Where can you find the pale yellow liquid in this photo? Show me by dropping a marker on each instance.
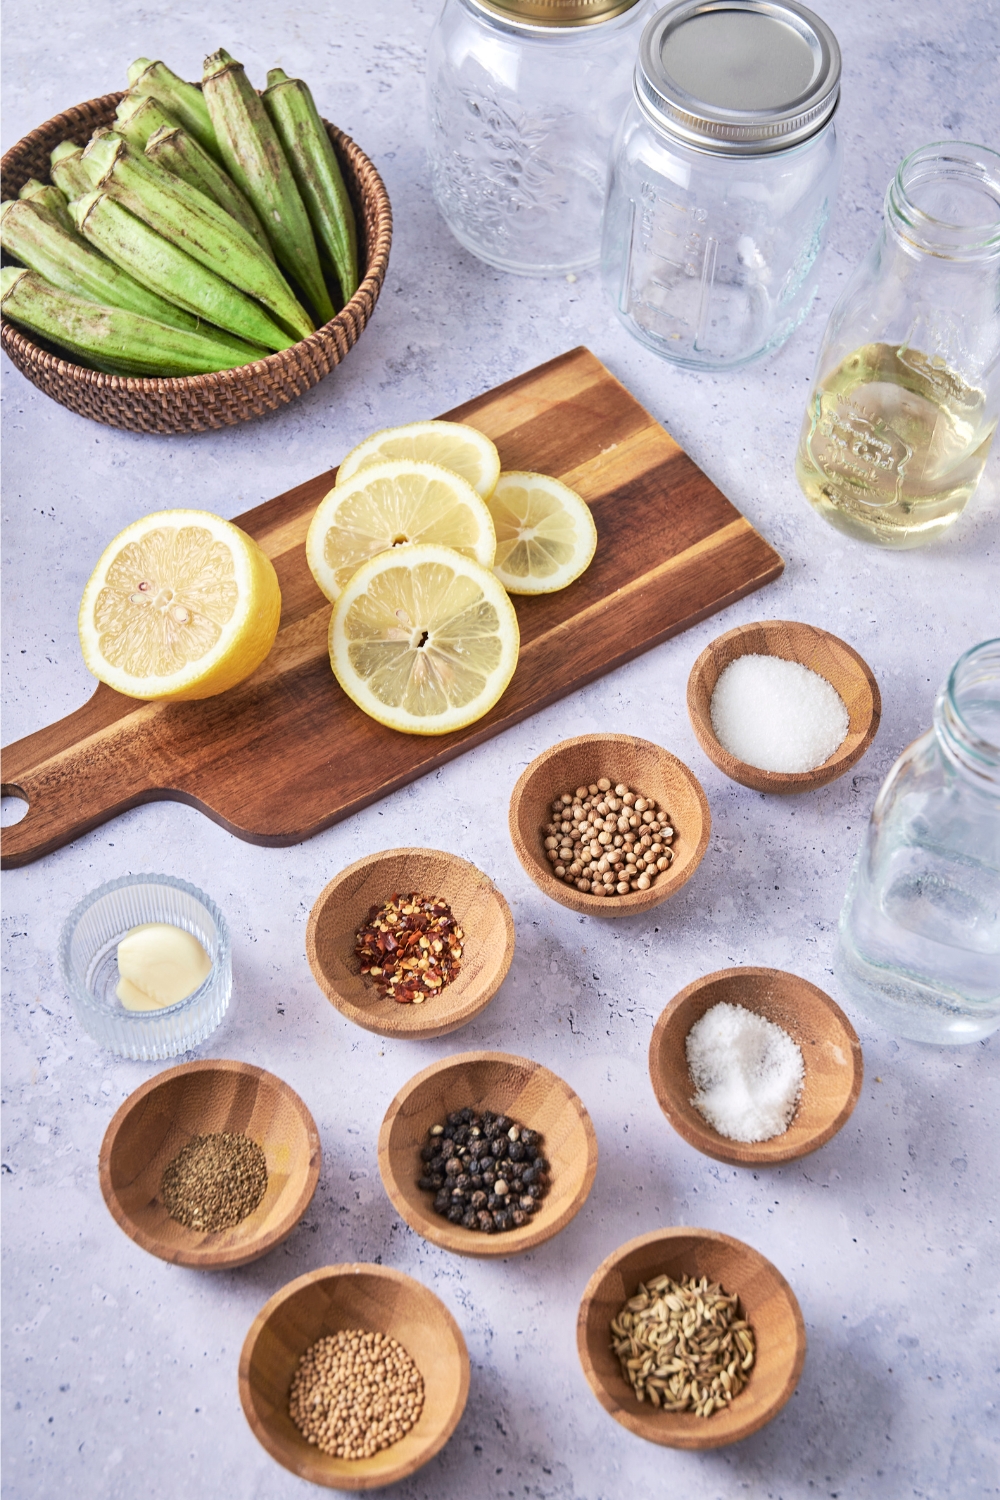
(892, 446)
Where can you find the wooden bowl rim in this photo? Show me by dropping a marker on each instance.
(691, 1441)
(326, 1273)
(205, 1258)
(423, 1024)
(451, 1236)
(607, 906)
(704, 1137)
(780, 781)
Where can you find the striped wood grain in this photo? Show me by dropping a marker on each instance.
(286, 754)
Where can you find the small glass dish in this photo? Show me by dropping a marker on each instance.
(88, 959)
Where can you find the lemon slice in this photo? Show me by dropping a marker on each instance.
(388, 505)
(182, 604)
(450, 444)
(424, 640)
(546, 535)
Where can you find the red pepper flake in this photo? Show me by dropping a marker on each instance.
(411, 946)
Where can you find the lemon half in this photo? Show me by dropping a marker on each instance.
(545, 533)
(423, 639)
(389, 505)
(182, 604)
(450, 444)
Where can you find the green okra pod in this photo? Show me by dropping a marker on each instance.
(255, 160)
(39, 241)
(313, 161)
(68, 171)
(51, 198)
(193, 222)
(111, 336)
(137, 116)
(175, 151)
(171, 272)
(182, 100)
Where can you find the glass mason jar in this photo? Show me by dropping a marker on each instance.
(523, 97)
(919, 942)
(724, 173)
(907, 387)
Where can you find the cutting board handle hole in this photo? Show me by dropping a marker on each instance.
(13, 807)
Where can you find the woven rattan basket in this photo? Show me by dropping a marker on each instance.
(195, 403)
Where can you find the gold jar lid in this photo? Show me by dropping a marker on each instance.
(556, 12)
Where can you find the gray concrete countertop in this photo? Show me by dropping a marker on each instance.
(119, 1370)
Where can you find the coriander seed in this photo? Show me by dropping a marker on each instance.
(606, 842)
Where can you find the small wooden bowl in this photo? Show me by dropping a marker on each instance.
(621, 757)
(201, 1098)
(377, 1299)
(830, 1048)
(768, 1303)
(507, 1085)
(342, 907)
(816, 649)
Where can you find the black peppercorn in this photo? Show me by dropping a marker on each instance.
(488, 1171)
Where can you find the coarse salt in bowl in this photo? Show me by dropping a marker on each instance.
(747, 1071)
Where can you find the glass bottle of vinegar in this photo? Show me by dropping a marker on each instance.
(907, 389)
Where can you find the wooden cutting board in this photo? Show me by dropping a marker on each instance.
(287, 753)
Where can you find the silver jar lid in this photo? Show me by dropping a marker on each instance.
(739, 77)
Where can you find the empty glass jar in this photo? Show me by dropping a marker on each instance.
(920, 929)
(907, 389)
(724, 173)
(523, 97)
